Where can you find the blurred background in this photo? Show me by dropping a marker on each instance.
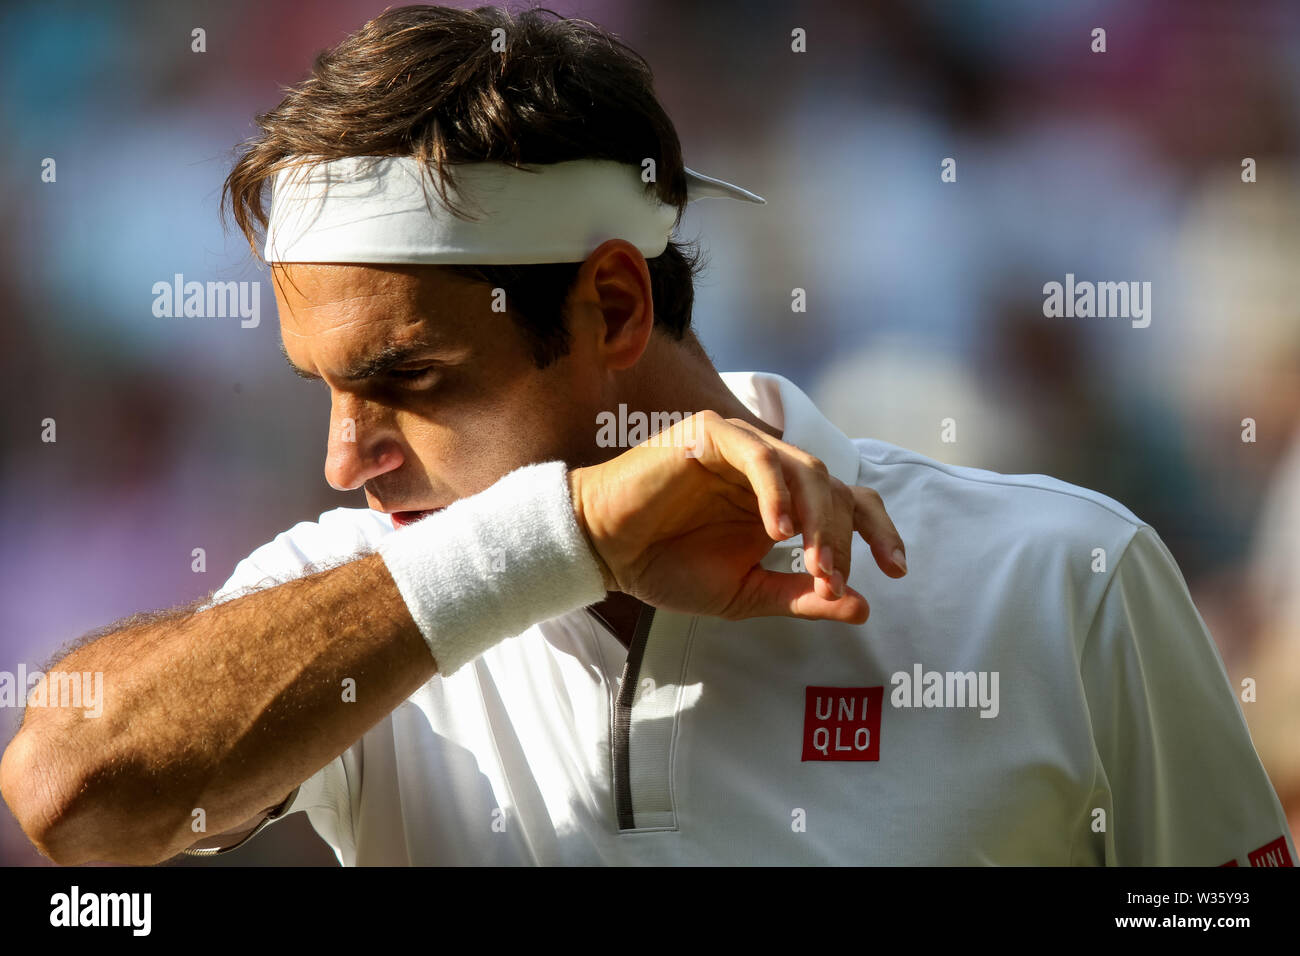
(183, 433)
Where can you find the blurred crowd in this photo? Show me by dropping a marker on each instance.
(927, 296)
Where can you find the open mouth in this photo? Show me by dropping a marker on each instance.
(402, 518)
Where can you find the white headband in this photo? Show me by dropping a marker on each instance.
(380, 209)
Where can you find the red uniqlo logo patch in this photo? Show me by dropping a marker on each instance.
(1272, 854)
(842, 723)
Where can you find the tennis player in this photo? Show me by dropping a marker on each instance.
(470, 233)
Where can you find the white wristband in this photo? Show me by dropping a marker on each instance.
(491, 565)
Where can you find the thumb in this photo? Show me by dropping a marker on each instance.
(766, 593)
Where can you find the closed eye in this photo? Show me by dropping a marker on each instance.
(416, 376)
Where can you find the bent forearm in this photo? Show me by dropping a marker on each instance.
(226, 710)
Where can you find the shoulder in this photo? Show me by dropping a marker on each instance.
(332, 538)
(1002, 508)
(343, 530)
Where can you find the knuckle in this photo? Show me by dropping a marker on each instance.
(764, 455)
(870, 496)
(707, 416)
(842, 492)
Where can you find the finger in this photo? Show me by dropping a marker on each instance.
(876, 528)
(831, 588)
(826, 524)
(743, 458)
(765, 593)
(810, 492)
(841, 531)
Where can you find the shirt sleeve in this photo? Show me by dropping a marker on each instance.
(337, 536)
(1184, 782)
(325, 797)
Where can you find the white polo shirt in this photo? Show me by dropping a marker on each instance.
(1039, 689)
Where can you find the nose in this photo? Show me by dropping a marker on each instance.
(359, 449)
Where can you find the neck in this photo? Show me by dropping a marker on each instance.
(671, 377)
(680, 377)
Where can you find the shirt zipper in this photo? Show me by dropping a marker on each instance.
(622, 759)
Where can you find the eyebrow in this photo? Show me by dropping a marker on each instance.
(385, 360)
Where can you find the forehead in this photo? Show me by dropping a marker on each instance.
(321, 298)
(357, 321)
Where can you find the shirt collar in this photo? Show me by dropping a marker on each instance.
(781, 404)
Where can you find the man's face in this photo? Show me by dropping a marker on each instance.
(433, 396)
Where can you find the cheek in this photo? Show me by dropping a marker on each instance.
(470, 448)
(546, 424)
(493, 425)
(539, 426)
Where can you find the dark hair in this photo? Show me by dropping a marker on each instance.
(424, 81)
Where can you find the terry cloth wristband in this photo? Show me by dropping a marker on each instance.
(490, 566)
